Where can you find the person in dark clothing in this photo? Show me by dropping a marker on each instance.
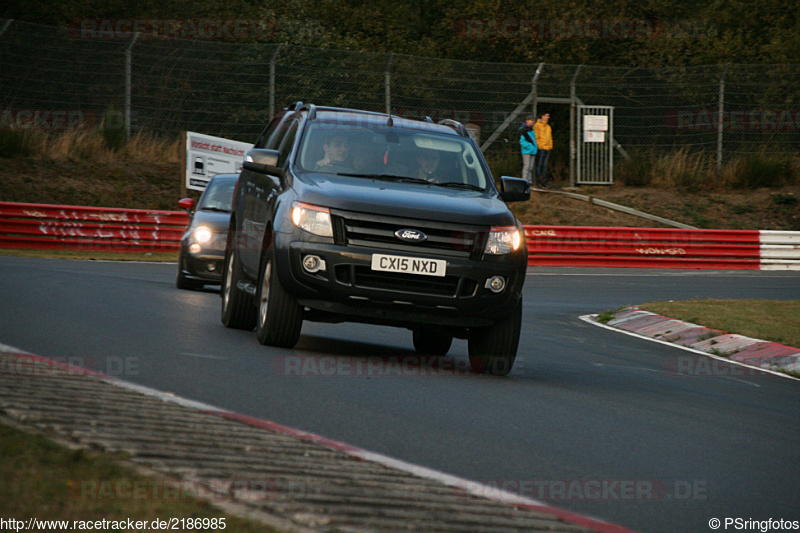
(527, 143)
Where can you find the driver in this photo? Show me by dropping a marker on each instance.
(336, 150)
(427, 161)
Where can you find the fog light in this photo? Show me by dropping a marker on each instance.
(496, 283)
(312, 264)
(195, 248)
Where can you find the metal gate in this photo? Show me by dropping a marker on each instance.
(593, 131)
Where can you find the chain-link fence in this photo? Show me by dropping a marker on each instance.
(55, 78)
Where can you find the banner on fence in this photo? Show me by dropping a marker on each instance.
(207, 156)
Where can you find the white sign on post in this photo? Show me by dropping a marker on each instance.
(595, 122)
(207, 156)
(595, 128)
(591, 136)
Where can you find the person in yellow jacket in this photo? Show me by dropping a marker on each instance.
(544, 140)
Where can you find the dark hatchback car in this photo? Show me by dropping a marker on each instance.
(347, 215)
(203, 244)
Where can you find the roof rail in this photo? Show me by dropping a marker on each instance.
(459, 127)
(348, 110)
(294, 106)
(312, 111)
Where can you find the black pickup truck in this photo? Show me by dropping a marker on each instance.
(346, 215)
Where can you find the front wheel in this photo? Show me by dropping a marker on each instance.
(492, 349)
(280, 317)
(238, 308)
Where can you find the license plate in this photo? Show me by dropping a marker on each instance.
(409, 265)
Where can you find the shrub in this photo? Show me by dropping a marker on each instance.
(113, 128)
(763, 170)
(683, 170)
(637, 171)
(20, 143)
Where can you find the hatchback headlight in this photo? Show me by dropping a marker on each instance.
(503, 240)
(202, 234)
(313, 219)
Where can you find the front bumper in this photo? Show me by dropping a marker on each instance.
(348, 288)
(205, 265)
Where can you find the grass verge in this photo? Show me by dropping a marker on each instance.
(770, 320)
(47, 481)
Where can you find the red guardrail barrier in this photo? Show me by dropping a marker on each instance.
(39, 226)
(642, 247)
(48, 227)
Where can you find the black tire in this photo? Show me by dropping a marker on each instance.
(492, 349)
(279, 317)
(238, 308)
(428, 341)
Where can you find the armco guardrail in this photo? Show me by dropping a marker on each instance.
(48, 227)
(38, 226)
(662, 248)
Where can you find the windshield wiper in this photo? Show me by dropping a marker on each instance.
(460, 185)
(386, 177)
(216, 209)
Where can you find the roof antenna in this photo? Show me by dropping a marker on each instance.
(390, 122)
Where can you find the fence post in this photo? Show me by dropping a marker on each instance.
(272, 81)
(575, 135)
(720, 111)
(387, 84)
(519, 109)
(534, 90)
(128, 66)
(5, 26)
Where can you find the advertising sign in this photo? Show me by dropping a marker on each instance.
(207, 156)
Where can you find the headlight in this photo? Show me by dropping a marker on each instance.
(313, 219)
(503, 240)
(202, 234)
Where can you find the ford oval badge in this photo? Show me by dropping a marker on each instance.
(410, 235)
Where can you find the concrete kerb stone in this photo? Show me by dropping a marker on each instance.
(756, 353)
(309, 483)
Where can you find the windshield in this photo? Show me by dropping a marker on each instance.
(218, 195)
(383, 152)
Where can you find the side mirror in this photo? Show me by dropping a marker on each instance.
(262, 160)
(186, 203)
(514, 189)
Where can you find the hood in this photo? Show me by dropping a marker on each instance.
(214, 219)
(411, 200)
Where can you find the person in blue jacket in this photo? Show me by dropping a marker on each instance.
(527, 143)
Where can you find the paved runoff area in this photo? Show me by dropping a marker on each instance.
(291, 480)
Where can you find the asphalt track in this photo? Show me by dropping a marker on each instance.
(641, 434)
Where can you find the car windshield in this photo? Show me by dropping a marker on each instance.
(218, 196)
(392, 153)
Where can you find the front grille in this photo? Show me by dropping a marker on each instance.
(364, 277)
(377, 231)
